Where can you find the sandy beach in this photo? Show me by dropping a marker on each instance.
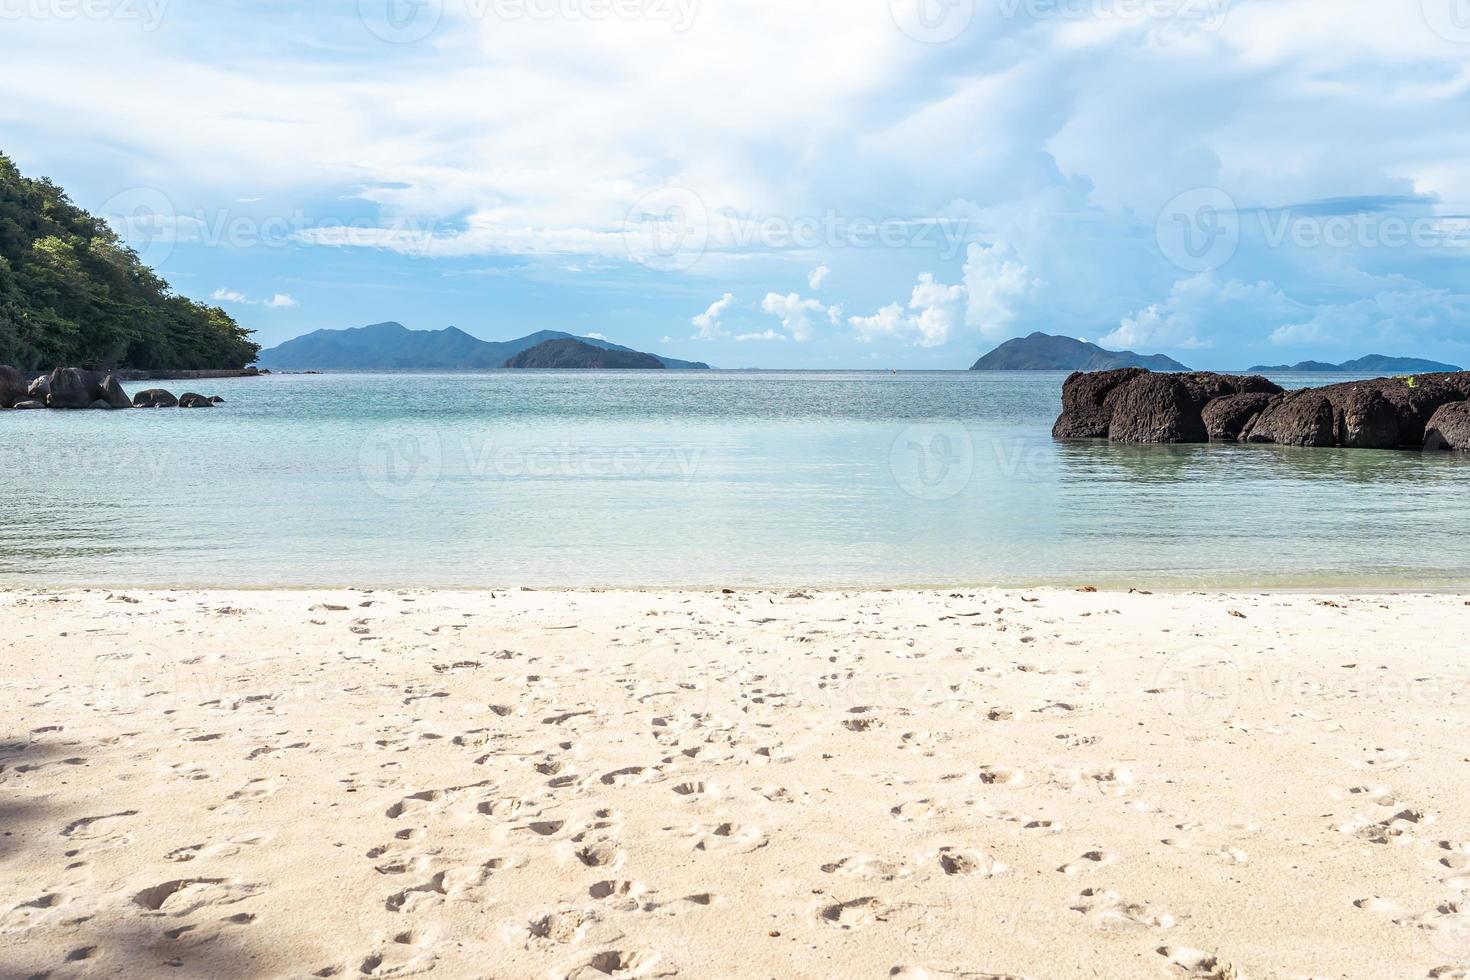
(627, 784)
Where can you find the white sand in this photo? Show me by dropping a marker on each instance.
(541, 784)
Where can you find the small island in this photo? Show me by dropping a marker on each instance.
(1372, 364)
(571, 354)
(1044, 352)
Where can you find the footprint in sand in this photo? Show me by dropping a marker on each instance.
(559, 928)
(621, 965)
(1198, 964)
(866, 867)
(1090, 861)
(223, 849)
(185, 896)
(34, 911)
(919, 810)
(1396, 829)
(1108, 911)
(605, 855)
(1001, 776)
(955, 861)
(621, 896)
(853, 914)
(467, 884)
(430, 801)
(106, 831)
(729, 837)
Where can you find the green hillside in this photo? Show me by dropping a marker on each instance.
(71, 293)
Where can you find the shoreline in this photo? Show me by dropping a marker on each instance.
(918, 784)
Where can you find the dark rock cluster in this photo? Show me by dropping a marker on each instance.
(1137, 406)
(80, 388)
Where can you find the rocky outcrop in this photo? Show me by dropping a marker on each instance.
(1384, 413)
(78, 388)
(1299, 418)
(113, 394)
(72, 388)
(1449, 427)
(12, 387)
(1134, 405)
(1227, 417)
(1086, 411)
(155, 398)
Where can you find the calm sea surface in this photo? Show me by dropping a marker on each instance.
(695, 479)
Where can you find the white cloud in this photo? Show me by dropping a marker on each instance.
(817, 276)
(935, 312)
(1202, 310)
(996, 282)
(595, 336)
(708, 322)
(796, 313)
(279, 301)
(763, 335)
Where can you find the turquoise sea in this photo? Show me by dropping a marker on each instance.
(695, 479)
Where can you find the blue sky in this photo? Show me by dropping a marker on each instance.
(828, 183)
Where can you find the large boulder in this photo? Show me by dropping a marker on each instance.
(190, 399)
(30, 403)
(1366, 419)
(72, 388)
(1300, 418)
(1085, 410)
(154, 398)
(113, 394)
(40, 388)
(1226, 418)
(1156, 408)
(12, 386)
(1449, 427)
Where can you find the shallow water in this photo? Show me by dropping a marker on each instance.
(695, 479)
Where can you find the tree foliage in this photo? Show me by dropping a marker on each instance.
(72, 293)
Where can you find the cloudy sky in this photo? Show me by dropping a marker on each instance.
(782, 183)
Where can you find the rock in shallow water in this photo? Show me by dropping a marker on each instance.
(1383, 413)
(12, 387)
(155, 398)
(1449, 427)
(113, 394)
(72, 388)
(1226, 418)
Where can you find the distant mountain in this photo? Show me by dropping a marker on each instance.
(1372, 364)
(569, 353)
(393, 347)
(1043, 352)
